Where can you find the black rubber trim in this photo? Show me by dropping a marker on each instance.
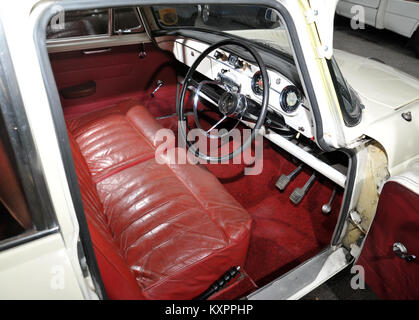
(20, 146)
(348, 120)
(66, 154)
(26, 237)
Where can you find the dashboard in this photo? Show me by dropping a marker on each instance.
(285, 99)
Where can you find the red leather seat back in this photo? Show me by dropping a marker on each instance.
(117, 278)
(160, 231)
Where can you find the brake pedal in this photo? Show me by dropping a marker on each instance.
(298, 194)
(284, 179)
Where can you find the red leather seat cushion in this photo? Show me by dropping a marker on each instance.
(160, 231)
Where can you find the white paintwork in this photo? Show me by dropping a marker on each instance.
(27, 266)
(400, 16)
(40, 269)
(410, 177)
(375, 82)
(323, 14)
(386, 94)
(398, 136)
(28, 73)
(378, 82)
(300, 120)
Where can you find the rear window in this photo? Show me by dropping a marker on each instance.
(94, 22)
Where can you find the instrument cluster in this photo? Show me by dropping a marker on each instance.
(284, 97)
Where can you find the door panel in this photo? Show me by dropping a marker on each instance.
(396, 220)
(119, 73)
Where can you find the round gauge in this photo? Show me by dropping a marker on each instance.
(257, 83)
(290, 99)
(232, 59)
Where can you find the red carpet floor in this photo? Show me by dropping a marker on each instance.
(283, 235)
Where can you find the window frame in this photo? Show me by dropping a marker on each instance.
(25, 155)
(106, 36)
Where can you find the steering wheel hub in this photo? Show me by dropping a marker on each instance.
(232, 104)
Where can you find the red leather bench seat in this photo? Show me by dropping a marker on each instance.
(159, 231)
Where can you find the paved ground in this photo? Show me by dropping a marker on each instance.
(384, 45)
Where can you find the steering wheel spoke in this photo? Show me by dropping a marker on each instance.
(230, 104)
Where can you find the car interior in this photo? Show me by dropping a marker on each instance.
(192, 231)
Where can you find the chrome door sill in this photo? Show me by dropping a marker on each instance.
(305, 278)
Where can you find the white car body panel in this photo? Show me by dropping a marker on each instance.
(400, 16)
(323, 13)
(382, 121)
(40, 269)
(28, 73)
(378, 82)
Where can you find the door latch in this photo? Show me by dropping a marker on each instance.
(400, 250)
(159, 84)
(142, 53)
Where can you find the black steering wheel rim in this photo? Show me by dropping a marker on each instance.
(264, 108)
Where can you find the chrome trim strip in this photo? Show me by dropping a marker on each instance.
(306, 277)
(98, 42)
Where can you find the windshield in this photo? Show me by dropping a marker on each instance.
(257, 23)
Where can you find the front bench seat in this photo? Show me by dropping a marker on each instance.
(158, 231)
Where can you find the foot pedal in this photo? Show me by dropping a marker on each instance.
(298, 194)
(284, 179)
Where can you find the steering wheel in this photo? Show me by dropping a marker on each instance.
(231, 104)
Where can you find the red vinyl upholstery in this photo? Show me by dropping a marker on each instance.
(159, 231)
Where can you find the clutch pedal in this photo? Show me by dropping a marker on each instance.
(298, 194)
(284, 179)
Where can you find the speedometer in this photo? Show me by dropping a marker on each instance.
(257, 83)
(290, 99)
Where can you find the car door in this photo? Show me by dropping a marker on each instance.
(390, 253)
(104, 56)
